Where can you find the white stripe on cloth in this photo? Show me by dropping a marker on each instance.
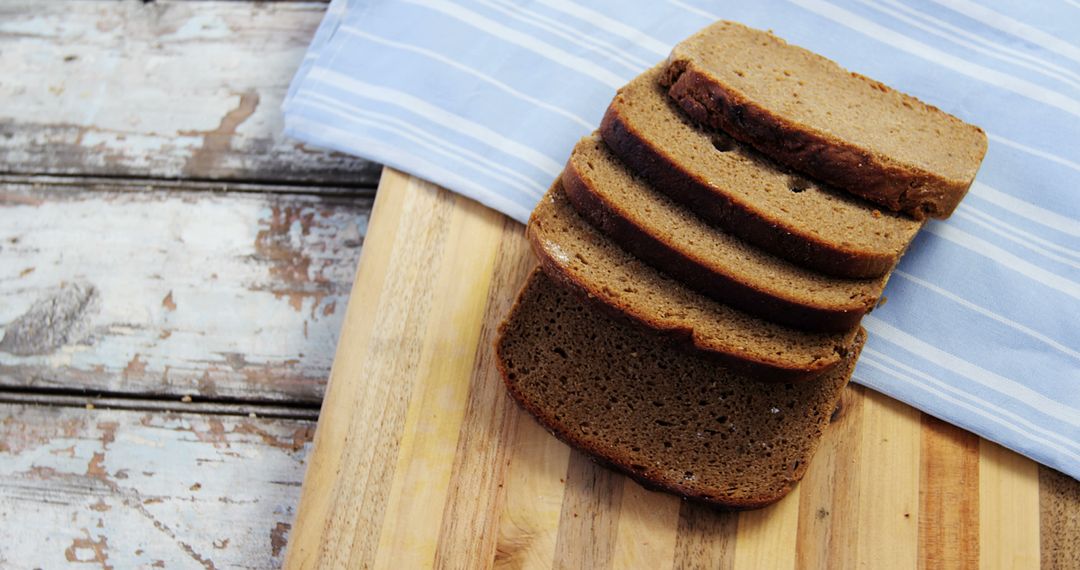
(991, 76)
(982, 408)
(619, 56)
(996, 382)
(422, 138)
(1005, 258)
(989, 314)
(555, 54)
(1026, 209)
(962, 37)
(1011, 26)
(1034, 152)
(1017, 236)
(610, 25)
(695, 10)
(471, 71)
(438, 115)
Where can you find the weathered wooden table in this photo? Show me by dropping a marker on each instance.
(173, 276)
(173, 279)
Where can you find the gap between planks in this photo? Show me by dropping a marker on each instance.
(125, 183)
(129, 402)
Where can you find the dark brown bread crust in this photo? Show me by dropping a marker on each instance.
(765, 366)
(653, 476)
(613, 220)
(875, 177)
(743, 220)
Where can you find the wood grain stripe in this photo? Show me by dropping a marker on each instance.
(398, 322)
(1059, 520)
(590, 515)
(468, 535)
(534, 490)
(766, 538)
(706, 538)
(319, 517)
(648, 522)
(421, 482)
(348, 481)
(888, 510)
(1008, 509)
(948, 496)
(830, 490)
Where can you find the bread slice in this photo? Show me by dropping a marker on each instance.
(732, 186)
(674, 422)
(669, 237)
(581, 258)
(807, 112)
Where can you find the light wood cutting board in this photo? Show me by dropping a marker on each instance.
(421, 460)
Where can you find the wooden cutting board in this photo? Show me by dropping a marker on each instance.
(421, 459)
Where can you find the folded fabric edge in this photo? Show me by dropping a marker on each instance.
(936, 407)
(332, 138)
(332, 19)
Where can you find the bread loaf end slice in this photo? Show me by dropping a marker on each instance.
(673, 422)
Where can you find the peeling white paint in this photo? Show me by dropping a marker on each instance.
(132, 88)
(183, 280)
(155, 487)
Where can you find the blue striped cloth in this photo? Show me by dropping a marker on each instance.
(487, 97)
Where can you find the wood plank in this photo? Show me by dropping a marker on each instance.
(172, 293)
(341, 523)
(831, 492)
(888, 463)
(590, 515)
(648, 528)
(1059, 519)
(534, 490)
(766, 538)
(436, 410)
(121, 489)
(948, 496)
(706, 538)
(110, 88)
(481, 478)
(1008, 509)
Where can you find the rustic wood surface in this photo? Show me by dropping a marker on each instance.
(162, 89)
(421, 460)
(161, 240)
(174, 292)
(121, 489)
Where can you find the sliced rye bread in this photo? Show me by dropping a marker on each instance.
(673, 422)
(581, 258)
(669, 237)
(731, 185)
(805, 111)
